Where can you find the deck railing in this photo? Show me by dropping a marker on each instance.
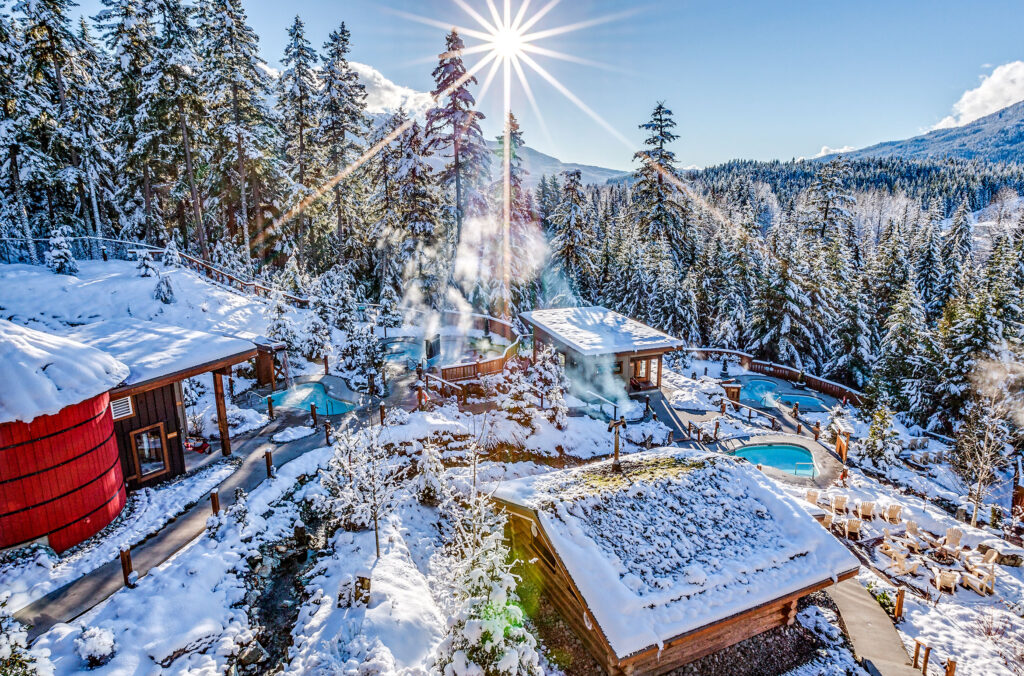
(473, 370)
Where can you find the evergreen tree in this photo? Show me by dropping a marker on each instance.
(571, 252)
(429, 481)
(957, 251)
(418, 208)
(897, 369)
(780, 322)
(171, 258)
(929, 269)
(279, 321)
(60, 258)
(146, 267)
(852, 356)
(660, 206)
(316, 339)
(163, 292)
(453, 127)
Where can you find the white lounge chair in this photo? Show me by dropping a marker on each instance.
(902, 566)
(981, 583)
(812, 496)
(852, 527)
(866, 510)
(892, 512)
(945, 579)
(838, 503)
(975, 562)
(951, 542)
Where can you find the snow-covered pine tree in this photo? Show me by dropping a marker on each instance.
(929, 269)
(429, 481)
(419, 212)
(171, 258)
(851, 351)
(980, 449)
(384, 212)
(146, 266)
(957, 251)
(316, 343)
(163, 292)
(341, 101)
(833, 224)
(59, 257)
(898, 373)
(296, 105)
(16, 657)
(243, 164)
(781, 316)
(290, 279)
(280, 326)
(515, 401)
(453, 130)
(882, 446)
(390, 313)
(572, 255)
(488, 635)
(660, 205)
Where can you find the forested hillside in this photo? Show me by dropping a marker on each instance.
(158, 122)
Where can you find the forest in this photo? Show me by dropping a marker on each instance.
(160, 122)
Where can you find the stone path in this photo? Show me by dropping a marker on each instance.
(876, 643)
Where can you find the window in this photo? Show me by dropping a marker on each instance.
(121, 408)
(618, 367)
(150, 447)
(640, 369)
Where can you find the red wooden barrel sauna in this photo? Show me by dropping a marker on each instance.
(60, 476)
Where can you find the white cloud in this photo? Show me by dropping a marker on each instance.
(383, 95)
(1003, 87)
(828, 150)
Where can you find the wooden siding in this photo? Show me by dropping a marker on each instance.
(161, 405)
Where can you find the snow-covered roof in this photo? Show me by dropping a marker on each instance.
(595, 330)
(42, 373)
(682, 539)
(153, 350)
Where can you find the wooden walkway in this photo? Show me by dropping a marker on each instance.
(876, 643)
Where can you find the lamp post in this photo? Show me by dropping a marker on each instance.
(615, 426)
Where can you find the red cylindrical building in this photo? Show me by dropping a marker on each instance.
(60, 476)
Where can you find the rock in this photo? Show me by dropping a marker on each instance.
(264, 571)
(281, 549)
(254, 653)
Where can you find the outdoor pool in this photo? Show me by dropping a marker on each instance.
(795, 460)
(758, 392)
(302, 395)
(403, 351)
(807, 402)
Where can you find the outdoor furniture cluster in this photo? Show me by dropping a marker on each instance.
(948, 562)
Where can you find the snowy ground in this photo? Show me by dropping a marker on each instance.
(36, 572)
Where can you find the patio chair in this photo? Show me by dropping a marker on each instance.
(945, 579)
(981, 583)
(892, 512)
(951, 542)
(851, 527)
(827, 522)
(839, 503)
(887, 548)
(866, 510)
(902, 566)
(974, 561)
(812, 496)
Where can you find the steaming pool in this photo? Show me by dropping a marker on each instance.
(795, 460)
(808, 403)
(764, 393)
(301, 396)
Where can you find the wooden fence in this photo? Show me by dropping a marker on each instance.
(789, 373)
(473, 370)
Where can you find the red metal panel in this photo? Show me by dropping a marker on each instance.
(60, 476)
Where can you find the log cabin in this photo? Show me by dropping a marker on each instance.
(594, 341)
(681, 554)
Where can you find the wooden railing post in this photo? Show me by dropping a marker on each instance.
(270, 463)
(126, 567)
(270, 407)
(917, 651)
(900, 593)
(327, 432)
(312, 412)
(382, 413)
(950, 667)
(716, 430)
(924, 660)
(215, 501)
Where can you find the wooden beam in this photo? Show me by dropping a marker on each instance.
(154, 383)
(222, 414)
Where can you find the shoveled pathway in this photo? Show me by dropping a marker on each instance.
(75, 598)
(876, 643)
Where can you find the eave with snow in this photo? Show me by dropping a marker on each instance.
(594, 340)
(681, 555)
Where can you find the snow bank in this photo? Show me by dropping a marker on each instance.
(681, 540)
(42, 373)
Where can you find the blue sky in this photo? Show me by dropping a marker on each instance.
(757, 80)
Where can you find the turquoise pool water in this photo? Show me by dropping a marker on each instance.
(302, 395)
(403, 351)
(795, 460)
(758, 392)
(807, 402)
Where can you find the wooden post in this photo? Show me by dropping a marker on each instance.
(924, 660)
(671, 441)
(614, 426)
(222, 414)
(799, 428)
(126, 567)
(369, 383)
(723, 408)
(716, 430)
(270, 463)
(327, 370)
(327, 432)
(270, 408)
(950, 667)
(917, 651)
(900, 593)
(796, 409)
(382, 413)
(817, 430)
(689, 430)
(215, 501)
(312, 412)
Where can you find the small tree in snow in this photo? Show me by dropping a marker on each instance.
(429, 481)
(16, 659)
(979, 451)
(362, 356)
(95, 646)
(486, 634)
(316, 339)
(59, 257)
(548, 376)
(882, 445)
(279, 321)
(516, 400)
(164, 292)
(389, 313)
(146, 267)
(171, 257)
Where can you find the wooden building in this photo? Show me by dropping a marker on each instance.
(148, 407)
(594, 341)
(682, 554)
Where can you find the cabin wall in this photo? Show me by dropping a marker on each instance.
(160, 405)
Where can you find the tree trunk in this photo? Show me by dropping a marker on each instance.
(147, 192)
(242, 206)
(22, 209)
(458, 193)
(376, 534)
(196, 210)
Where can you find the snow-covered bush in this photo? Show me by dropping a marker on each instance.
(280, 326)
(516, 400)
(428, 483)
(16, 659)
(146, 267)
(171, 257)
(389, 312)
(315, 343)
(486, 634)
(396, 416)
(59, 257)
(236, 516)
(164, 292)
(291, 279)
(362, 356)
(548, 376)
(882, 446)
(95, 646)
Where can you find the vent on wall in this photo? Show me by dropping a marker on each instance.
(121, 408)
